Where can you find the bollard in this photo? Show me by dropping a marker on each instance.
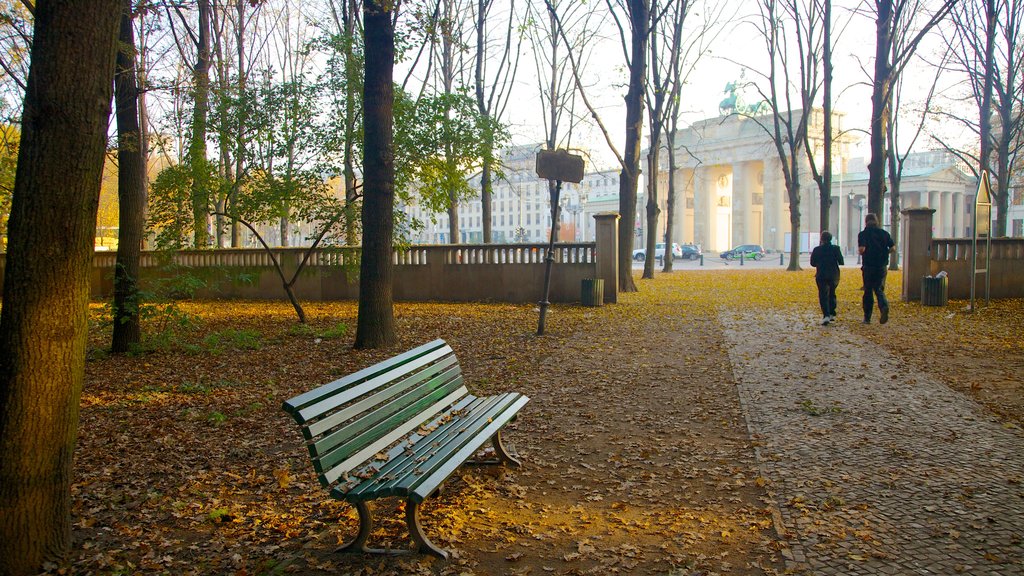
(741, 258)
(781, 256)
(701, 259)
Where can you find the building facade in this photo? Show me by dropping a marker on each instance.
(731, 188)
(520, 207)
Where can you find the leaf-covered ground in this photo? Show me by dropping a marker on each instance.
(636, 455)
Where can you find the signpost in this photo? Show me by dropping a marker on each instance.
(982, 230)
(560, 166)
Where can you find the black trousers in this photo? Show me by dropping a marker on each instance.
(827, 295)
(874, 287)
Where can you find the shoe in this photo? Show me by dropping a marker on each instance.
(885, 316)
(867, 320)
(826, 320)
(832, 318)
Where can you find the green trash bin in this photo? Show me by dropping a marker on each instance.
(593, 292)
(934, 290)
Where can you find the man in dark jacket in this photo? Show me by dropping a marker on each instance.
(827, 259)
(874, 245)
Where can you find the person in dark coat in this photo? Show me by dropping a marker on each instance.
(826, 260)
(874, 245)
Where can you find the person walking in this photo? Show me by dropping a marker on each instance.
(826, 260)
(874, 246)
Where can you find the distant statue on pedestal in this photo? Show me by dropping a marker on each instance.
(734, 102)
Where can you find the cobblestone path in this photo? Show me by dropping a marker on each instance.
(874, 468)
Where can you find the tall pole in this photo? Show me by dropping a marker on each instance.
(550, 256)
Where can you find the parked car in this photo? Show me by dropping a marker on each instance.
(691, 251)
(659, 252)
(748, 251)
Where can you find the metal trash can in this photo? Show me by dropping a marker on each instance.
(593, 292)
(934, 290)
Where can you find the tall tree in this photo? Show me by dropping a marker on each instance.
(43, 323)
(686, 50)
(347, 73)
(197, 145)
(639, 27)
(780, 20)
(892, 16)
(634, 35)
(131, 190)
(986, 47)
(493, 79)
(375, 325)
(657, 100)
(896, 159)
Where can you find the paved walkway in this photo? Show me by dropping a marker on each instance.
(874, 468)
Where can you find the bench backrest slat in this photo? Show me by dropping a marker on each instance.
(315, 403)
(361, 431)
(332, 475)
(324, 424)
(348, 421)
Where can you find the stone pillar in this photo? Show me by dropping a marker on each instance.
(606, 229)
(945, 215)
(703, 205)
(916, 243)
(776, 217)
(958, 215)
(744, 180)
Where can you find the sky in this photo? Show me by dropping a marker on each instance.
(738, 50)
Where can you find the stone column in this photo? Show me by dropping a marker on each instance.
(916, 243)
(679, 181)
(606, 231)
(703, 205)
(776, 217)
(958, 215)
(744, 179)
(945, 215)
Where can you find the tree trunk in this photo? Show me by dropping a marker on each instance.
(825, 192)
(52, 227)
(794, 220)
(375, 326)
(197, 147)
(485, 171)
(652, 207)
(639, 21)
(242, 119)
(131, 191)
(670, 199)
(880, 105)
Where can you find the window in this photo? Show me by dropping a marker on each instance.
(1018, 227)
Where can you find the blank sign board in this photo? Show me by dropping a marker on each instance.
(560, 165)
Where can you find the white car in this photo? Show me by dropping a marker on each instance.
(659, 252)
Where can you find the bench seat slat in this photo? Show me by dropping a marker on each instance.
(402, 456)
(361, 430)
(331, 475)
(294, 405)
(443, 451)
(322, 425)
(414, 411)
(425, 485)
(424, 448)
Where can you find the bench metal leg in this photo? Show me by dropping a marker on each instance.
(423, 544)
(365, 526)
(412, 519)
(504, 455)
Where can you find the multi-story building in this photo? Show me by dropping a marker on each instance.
(520, 207)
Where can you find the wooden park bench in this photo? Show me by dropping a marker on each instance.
(400, 428)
